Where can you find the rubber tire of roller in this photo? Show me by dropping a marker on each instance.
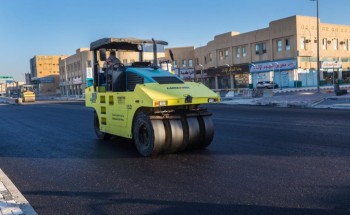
(193, 133)
(208, 129)
(175, 136)
(149, 135)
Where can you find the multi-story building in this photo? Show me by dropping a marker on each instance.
(75, 72)
(183, 61)
(28, 78)
(45, 74)
(284, 52)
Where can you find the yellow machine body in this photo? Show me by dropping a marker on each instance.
(140, 101)
(116, 110)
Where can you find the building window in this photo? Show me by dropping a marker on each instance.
(221, 55)
(205, 59)
(226, 53)
(210, 57)
(287, 44)
(197, 61)
(238, 52)
(345, 45)
(244, 51)
(190, 63)
(335, 44)
(302, 43)
(260, 48)
(324, 43)
(184, 63)
(279, 45)
(175, 64)
(125, 61)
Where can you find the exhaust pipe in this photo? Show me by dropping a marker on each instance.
(154, 54)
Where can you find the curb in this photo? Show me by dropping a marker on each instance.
(317, 102)
(11, 199)
(8, 100)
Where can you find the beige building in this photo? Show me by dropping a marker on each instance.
(75, 72)
(285, 52)
(44, 72)
(127, 58)
(183, 63)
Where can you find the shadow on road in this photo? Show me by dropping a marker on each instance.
(111, 199)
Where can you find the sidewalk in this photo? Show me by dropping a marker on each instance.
(306, 97)
(296, 97)
(12, 202)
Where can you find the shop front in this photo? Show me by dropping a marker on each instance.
(226, 77)
(331, 73)
(281, 72)
(307, 77)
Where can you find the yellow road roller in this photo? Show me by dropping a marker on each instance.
(140, 101)
(27, 93)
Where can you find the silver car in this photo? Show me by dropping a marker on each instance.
(266, 85)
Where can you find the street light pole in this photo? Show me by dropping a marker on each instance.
(231, 78)
(250, 69)
(273, 77)
(279, 71)
(66, 75)
(318, 48)
(202, 67)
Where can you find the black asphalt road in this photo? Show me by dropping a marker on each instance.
(263, 160)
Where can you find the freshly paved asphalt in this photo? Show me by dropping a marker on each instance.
(263, 160)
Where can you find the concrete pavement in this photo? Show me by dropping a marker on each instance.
(12, 202)
(294, 97)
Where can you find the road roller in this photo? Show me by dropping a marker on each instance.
(159, 111)
(27, 93)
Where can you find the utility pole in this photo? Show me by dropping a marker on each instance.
(318, 48)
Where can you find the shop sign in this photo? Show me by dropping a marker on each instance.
(235, 69)
(284, 65)
(88, 72)
(47, 80)
(331, 65)
(224, 71)
(77, 81)
(187, 73)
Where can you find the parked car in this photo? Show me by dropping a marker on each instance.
(266, 85)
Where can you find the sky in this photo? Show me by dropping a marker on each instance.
(48, 27)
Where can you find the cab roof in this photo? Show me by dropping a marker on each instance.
(127, 44)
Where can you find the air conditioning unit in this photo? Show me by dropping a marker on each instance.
(342, 42)
(329, 42)
(307, 41)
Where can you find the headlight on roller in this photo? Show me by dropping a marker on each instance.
(211, 100)
(160, 103)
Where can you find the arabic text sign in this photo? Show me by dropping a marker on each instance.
(270, 66)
